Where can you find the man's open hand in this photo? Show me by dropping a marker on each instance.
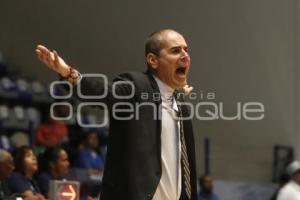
(52, 60)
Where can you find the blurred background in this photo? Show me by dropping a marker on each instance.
(242, 51)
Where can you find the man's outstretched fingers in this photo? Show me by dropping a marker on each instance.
(55, 58)
(49, 59)
(38, 54)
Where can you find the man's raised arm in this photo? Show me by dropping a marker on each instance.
(57, 64)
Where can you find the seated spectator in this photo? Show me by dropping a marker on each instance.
(206, 190)
(22, 181)
(291, 190)
(6, 168)
(89, 156)
(54, 165)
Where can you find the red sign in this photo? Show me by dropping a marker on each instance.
(67, 192)
(64, 190)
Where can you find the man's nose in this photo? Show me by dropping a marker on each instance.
(185, 57)
(184, 53)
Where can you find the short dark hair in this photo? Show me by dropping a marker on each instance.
(51, 155)
(155, 40)
(19, 157)
(202, 179)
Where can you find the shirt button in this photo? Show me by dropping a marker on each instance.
(149, 196)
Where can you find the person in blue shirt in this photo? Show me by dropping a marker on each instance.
(206, 191)
(54, 165)
(89, 156)
(22, 181)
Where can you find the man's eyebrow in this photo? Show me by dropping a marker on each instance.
(178, 47)
(175, 47)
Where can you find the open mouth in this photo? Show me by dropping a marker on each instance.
(181, 70)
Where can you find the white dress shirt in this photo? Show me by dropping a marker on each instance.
(169, 187)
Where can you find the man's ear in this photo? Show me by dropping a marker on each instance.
(152, 60)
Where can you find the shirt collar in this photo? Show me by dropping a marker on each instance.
(165, 90)
(166, 93)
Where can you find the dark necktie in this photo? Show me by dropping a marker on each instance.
(185, 165)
